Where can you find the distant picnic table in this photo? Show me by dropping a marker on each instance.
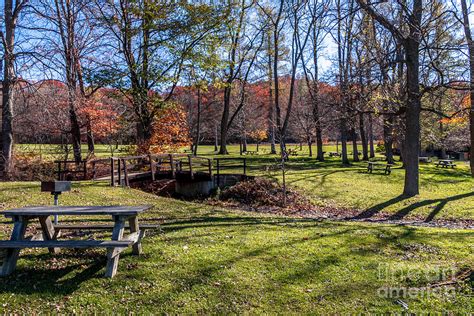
(424, 159)
(250, 152)
(445, 163)
(49, 239)
(334, 154)
(374, 165)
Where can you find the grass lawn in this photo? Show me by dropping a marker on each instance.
(211, 260)
(445, 193)
(53, 151)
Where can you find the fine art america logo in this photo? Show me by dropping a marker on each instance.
(436, 282)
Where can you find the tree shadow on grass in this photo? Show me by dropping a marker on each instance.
(46, 280)
(441, 203)
(374, 210)
(402, 213)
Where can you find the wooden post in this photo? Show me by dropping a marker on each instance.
(173, 172)
(245, 166)
(135, 228)
(218, 171)
(85, 169)
(47, 229)
(152, 167)
(209, 162)
(112, 254)
(125, 173)
(119, 171)
(11, 258)
(112, 171)
(190, 160)
(93, 170)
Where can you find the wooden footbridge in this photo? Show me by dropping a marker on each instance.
(120, 171)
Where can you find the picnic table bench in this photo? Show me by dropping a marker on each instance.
(373, 165)
(334, 154)
(424, 159)
(445, 163)
(118, 243)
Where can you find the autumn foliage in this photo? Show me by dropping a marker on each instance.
(170, 130)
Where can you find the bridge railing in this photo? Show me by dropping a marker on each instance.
(70, 170)
(229, 163)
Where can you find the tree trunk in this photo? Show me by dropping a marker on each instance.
(343, 127)
(363, 137)
(271, 109)
(75, 131)
(198, 123)
(310, 146)
(355, 150)
(388, 137)
(470, 48)
(7, 91)
(319, 144)
(144, 132)
(224, 122)
(90, 137)
(216, 140)
(371, 137)
(412, 134)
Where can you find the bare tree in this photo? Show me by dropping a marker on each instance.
(410, 40)
(470, 49)
(12, 10)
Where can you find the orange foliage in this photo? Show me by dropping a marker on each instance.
(170, 130)
(258, 135)
(102, 116)
(454, 120)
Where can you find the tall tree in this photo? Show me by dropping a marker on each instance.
(241, 51)
(470, 50)
(152, 41)
(12, 10)
(410, 40)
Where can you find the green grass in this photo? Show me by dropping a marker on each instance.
(209, 260)
(54, 151)
(445, 193)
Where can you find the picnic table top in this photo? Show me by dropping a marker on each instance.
(446, 160)
(76, 210)
(379, 163)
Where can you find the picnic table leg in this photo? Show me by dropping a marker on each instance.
(112, 254)
(134, 228)
(18, 233)
(48, 231)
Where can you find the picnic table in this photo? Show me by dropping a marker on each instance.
(445, 163)
(49, 239)
(251, 152)
(334, 154)
(373, 165)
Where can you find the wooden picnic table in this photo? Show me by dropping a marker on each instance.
(250, 152)
(373, 165)
(118, 243)
(334, 154)
(445, 163)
